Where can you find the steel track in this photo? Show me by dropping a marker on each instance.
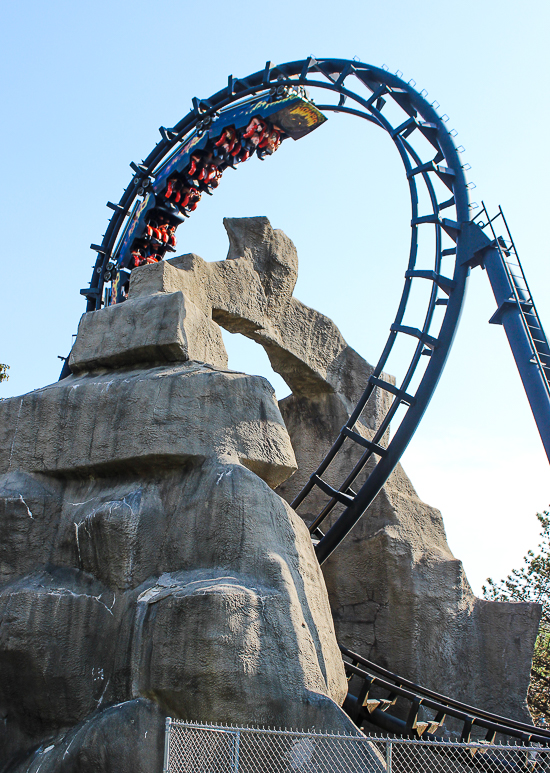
(433, 168)
(375, 691)
(434, 174)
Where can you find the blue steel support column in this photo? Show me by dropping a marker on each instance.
(520, 344)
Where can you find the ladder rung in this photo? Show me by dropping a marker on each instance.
(91, 292)
(364, 442)
(415, 333)
(344, 499)
(348, 70)
(399, 393)
(446, 175)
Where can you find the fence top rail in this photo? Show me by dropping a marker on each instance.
(359, 737)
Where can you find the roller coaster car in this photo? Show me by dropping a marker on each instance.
(232, 137)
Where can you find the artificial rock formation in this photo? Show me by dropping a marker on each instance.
(398, 595)
(148, 566)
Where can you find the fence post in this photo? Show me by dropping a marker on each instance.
(388, 755)
(236, 756)
(237, 745)
(167, 745)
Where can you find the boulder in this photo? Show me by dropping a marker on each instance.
(124, 738)
(169, 328)
(398, 595)
(135, 420)
(147, 565)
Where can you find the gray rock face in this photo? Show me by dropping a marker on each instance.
(400, 598)
(397, 593)
(148, 566)
(251, 293)
(131, 419)
(162, 328)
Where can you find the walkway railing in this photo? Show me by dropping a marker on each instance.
(198, 748)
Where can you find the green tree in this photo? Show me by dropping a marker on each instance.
(4, 372)
(532, 583)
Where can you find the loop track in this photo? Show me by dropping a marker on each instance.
(440, 208)
(434, 174)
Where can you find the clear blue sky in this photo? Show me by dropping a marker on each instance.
(85, 88)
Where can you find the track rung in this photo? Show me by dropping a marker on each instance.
(429, 130)
(445, 174)
(415, 333)
(451, 227)
(374, 447)
(376, 95)
(91, 292)
(403, 396)
(406, 128)
(441, 281)
(426, 219)
(421, 727)
(445, 204)
(429, 166)
(370, 704)
(116, 208)
(344, 499)
(138, 168)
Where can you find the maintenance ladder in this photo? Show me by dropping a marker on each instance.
(518, 315)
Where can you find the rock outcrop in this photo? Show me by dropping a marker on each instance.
(150, 565)
(147, 566)
(398, 595)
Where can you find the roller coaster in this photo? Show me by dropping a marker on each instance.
(253, 116)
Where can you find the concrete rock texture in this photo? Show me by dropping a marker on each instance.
(397, 593)
(148, 566)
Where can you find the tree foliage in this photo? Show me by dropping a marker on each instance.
(532, 583)
(4, 372)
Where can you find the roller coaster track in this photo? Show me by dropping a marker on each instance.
(374, 691)
(445, 243)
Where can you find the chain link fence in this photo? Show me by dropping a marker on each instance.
(197, 748)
